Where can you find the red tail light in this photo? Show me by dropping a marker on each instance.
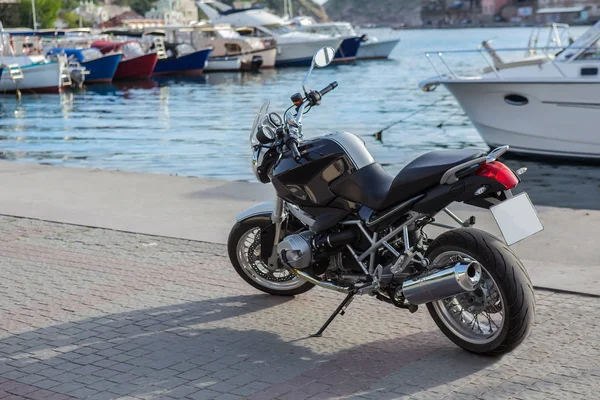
(499, 172)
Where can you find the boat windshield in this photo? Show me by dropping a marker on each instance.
(324, 30)
(586, 47)
(184, 48)
(228, 34)
(132, 49)
(90, 54)
(278, 29)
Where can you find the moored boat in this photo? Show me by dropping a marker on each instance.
(27, 72)
(543, 105)
(100, 68)
(223, 64)
(373, 48)
(182, 60)
(348, 50)
(134, 64)
(293, 48)
(228, 44)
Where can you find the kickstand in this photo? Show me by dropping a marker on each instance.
(340, 310)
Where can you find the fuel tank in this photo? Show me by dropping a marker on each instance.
(324, 159)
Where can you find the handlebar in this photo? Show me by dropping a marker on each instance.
(292, 144)
(329, 88)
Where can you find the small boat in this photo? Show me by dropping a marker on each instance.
(134, 64)
(223, 64)
(101, 68)
(176, 58)
(348, 50)
(542, 104)
(182, 60)
(228, 44)
(26, 71)
(376, 49)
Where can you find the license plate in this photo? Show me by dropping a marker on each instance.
(517, 218)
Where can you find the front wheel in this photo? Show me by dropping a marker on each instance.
(498, 315)
(244, 245)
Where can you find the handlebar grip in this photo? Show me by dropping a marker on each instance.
(329, 88)
(294, 148)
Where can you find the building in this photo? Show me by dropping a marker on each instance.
(568, 15)
(451, 12)
(491, 8)
(592, 5)
(97, 14)
(174, 12)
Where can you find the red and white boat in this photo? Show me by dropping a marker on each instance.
(135, 63)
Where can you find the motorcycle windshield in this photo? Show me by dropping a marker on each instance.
(258, 123)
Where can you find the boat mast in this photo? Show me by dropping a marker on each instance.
(34, 18)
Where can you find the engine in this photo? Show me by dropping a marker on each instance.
(302, 249)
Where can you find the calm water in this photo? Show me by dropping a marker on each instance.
(200, 127)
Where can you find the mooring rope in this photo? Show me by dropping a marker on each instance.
(378, 135)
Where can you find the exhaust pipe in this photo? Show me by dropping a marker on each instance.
(440, 284)
(318, 282)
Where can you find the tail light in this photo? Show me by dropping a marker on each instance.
(499, 172)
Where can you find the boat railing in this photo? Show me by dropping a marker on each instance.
(493, 62)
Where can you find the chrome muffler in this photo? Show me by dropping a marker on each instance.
(439, 284)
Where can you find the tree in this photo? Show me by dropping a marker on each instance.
(46, 12)
(72, 20)
(141, 6)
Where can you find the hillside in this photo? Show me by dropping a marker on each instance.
(301, 7)
(372, 12)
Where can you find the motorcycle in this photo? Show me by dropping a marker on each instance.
(341, 222)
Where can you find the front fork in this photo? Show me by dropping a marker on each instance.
(277, 217)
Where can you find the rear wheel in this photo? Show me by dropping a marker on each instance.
(244, 252)
(498, 315)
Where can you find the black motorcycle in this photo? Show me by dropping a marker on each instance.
(340, 221)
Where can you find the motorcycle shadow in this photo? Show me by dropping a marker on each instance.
(189, 344)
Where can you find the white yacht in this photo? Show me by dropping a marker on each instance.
(348, 50)
(545, 104)
(293, 48)
(355, 45)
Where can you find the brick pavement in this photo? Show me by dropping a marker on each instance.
(99, 314)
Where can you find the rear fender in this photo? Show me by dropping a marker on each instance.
(462, 191)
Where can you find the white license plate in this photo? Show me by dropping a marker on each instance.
(517, 218)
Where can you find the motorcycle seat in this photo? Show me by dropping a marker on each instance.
(375, 188)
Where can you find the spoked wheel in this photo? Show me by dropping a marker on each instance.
(497, 316)
(244, 246)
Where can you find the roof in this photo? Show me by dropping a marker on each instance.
(561, 10)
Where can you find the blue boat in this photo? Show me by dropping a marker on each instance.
(101, 68)
(348, 50)
(182, 60)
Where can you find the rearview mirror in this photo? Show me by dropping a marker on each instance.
(323, 57)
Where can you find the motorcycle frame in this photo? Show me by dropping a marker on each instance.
(403, 259)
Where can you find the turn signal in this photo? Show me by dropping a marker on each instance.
(499, 172)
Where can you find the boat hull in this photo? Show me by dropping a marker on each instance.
(376, 49)
(136, 68)
(101, 70)
(223, 64)
(37, 78)
(192, 64)
(552, 119)
(348, 50)
(300, 53)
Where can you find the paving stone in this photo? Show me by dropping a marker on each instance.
(98, 314)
